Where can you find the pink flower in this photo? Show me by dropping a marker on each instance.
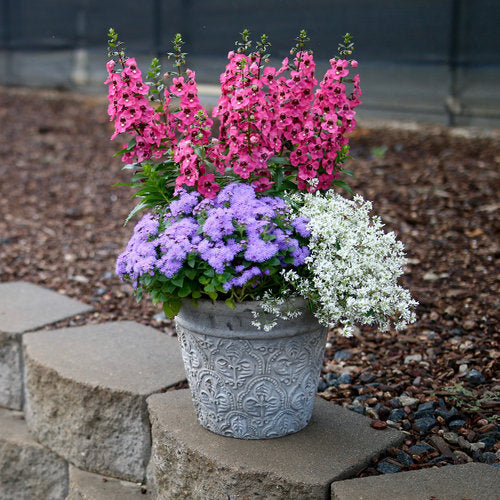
(152, 134)
(114, 82)
(330, 123)
(138, 87)
(269, 73)
(207, 186)
(189, 174)
(325, 181)
(177, 87)
(308, 170)
(123, 121)
(262, 184)
(340, 67)
(241, 98)
(284, 66)
(243, 166)
(110, 65)
(131, 69)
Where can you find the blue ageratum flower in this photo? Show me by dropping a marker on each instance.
(236, 234)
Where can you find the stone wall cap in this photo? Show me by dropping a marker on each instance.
(451, 482)
(336, 444)
(25, 306)
(121, 356)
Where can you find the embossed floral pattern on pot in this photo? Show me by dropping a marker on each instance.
(247, 383)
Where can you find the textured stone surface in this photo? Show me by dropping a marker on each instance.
(25, 307)
(190, 462)
(86, 392)
(28, 470)
(453, 482)
(89, 486)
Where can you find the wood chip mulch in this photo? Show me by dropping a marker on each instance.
(61, 227)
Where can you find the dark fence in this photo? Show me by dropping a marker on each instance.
(436, 58)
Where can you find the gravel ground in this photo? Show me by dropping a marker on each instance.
(61, 227)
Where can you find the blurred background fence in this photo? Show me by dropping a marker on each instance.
(434, 61)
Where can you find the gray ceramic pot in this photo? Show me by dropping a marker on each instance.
(246, 383)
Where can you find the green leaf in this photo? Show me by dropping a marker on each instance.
(130, 146)
(230, 303)
(178, 281)
(140, 206)
(278, 160)
(227, 276)
(279, 180)
(191, 273)
(184, 291)
(342, 184)
(172, 307)
(168, 287)
(350, 173)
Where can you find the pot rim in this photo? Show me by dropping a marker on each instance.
(219, 320)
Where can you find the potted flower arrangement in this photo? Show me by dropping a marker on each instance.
(244, 241)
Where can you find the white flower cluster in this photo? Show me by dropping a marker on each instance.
(353, 267)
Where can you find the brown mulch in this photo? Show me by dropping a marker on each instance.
(61, 227)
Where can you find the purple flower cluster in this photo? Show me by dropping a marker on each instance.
(237, 234)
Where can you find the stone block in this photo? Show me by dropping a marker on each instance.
(89, 486)
(25, 307)
(86, 390)
(452, 482)
(188, 461)
(28, 470)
